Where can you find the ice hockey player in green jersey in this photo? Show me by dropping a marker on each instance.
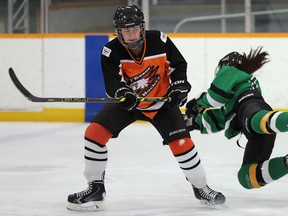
(235, 104)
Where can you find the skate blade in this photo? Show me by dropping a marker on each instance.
(87, 207)
(213, 205)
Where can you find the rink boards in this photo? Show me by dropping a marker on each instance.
(68, 65)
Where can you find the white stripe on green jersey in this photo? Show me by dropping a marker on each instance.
(226, 87)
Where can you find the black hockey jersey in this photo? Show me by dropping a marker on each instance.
(150, 76)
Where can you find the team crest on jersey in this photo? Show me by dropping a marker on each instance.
(144, 82)
(106, 51)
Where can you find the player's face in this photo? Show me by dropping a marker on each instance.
(131, 35)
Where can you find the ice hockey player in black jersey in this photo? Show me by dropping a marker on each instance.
(237, 106)
(140, 63)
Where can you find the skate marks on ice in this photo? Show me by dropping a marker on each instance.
(41, 163)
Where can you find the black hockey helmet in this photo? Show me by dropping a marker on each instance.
(126, 17)
(231, 59)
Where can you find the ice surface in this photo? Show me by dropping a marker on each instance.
(41, 163)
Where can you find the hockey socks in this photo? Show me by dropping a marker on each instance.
(267, 122)
(95, 152)
(258, 175)
(187, 156)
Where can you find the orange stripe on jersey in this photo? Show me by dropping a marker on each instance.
(181, 145)
(98, 133)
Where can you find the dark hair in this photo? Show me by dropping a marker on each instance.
(254, 61)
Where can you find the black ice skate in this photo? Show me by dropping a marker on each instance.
(91, 199)
(209, 197)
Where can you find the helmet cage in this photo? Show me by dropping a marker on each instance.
(135, 45)
(127, 17)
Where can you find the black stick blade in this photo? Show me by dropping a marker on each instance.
(18, 85)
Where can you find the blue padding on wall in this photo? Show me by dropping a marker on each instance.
(94, 79)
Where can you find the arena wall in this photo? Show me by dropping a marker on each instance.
(55, 65)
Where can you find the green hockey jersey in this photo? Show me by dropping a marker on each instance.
(220, 100)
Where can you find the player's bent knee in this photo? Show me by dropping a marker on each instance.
(247, 176)
(243, 177)
(97, 133)
(181, 145)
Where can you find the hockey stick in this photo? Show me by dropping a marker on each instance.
(33, 98)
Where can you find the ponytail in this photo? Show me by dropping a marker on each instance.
(254, 61)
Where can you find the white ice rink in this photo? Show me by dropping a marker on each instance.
(41, 163)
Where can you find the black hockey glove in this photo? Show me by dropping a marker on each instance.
(178, 92)
(130, 102)
(191, 123)
(193, 109)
